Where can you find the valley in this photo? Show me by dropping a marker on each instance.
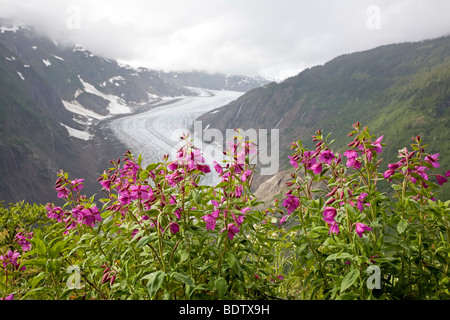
(157, 132)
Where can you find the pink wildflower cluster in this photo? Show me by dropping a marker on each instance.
(131, 189)
(416, 171)
(81, 211)
(79, 215)
(65, 187)
(22, 238)
(235, 169)
(10, 258)
(363, 149)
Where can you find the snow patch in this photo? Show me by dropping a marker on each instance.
(77, 133)
(20, 75)
(76, 107)
(59, 58)
(34, 48)
(47, 63)
(12, 29)
(116, 104)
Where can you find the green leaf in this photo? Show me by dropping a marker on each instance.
(196, 197)
(36, 262)
(40, 246)
(339, 255)
(154, 283)
(54, 250)
(183, 278)
(402, 225)
(86, 236)
(221, 286)
(349, 279)
(233, 263)
(143, 175)
(152, 166)
(144, 240)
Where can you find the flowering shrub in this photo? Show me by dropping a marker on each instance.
(348, 225)
(158, 233)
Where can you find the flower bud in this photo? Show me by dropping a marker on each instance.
(113, 278)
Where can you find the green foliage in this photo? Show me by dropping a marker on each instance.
(158, 234)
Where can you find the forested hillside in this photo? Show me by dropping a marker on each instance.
(399, 91)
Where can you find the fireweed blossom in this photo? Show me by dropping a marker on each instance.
(360, 228)
(326, 156)
(360, 202)
(10, 258)
(291, 203)
(329, 213)
(22, 239)
(377, 145)
(232, 230)
(334, 228)
(77, 184)
(433, 160)
(441, 179)
(210, 219)
(352, 161)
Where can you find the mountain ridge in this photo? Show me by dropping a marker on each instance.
(397, 90)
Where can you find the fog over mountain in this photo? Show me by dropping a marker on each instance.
(253, 37)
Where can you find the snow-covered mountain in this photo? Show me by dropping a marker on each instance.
(52, 95)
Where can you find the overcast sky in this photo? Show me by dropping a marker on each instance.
(276, 38)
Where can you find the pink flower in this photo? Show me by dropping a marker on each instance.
(308, 159)
(55, 213)
(360, 204)
(10, 258)
(377, 145)
(23, 240)
(433, 160)
(334, 228)
(210, 219)
(352, 162)
(106, 184)
(317, 168)
(174, 227)
(203, 168)
(238, 191)
(291, 203)
(360, 228)
(140, 192)
(245, 175)
(326, 157)
(90, 216)
(173, 166)
(293, 161)
(63, 192)
(441, 179)
(388, 173)
(218, 168)
(77, 184)
(125, 197)
(232, 230)
(329, 214)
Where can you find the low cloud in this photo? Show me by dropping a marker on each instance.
(267, 38)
